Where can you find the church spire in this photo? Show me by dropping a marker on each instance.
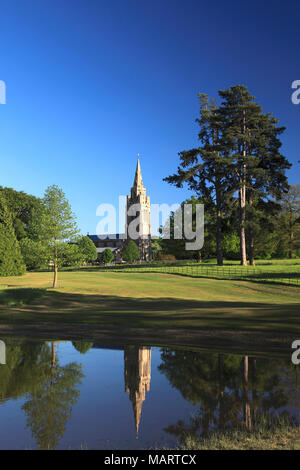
(138, 181)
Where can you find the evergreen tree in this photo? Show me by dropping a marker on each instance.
(250, 139)
(11, 260)
(206, 169)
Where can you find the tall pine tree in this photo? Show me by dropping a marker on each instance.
(251, 139)
(206, 169)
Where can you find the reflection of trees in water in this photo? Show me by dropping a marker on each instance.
(33, 369)
(82, 346)
(24, 371)
(231, 390)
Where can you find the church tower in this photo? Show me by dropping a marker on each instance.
(141, 215)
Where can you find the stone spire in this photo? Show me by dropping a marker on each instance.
(138, 212)
(138, 181)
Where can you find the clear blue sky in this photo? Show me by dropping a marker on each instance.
(91, 83)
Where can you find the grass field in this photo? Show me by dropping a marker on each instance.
(277, 435)
(149, 300)
(273, 271)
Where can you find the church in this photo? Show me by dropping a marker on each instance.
(116, 242)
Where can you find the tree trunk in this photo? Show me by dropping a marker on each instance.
(251, 240)
(55, 265)
(242, 196)
(55, 275)
(222, 412)
(251, 248)
(291, 250)
(219, 231)
(53, 363)
(53, 353)
(254, 391)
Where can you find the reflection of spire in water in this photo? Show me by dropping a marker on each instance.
(137, 365)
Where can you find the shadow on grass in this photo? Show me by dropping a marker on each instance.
(20, 296)
(40, 306)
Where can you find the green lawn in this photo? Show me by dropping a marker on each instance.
(149, 300)
(273, 271)
(280, 437)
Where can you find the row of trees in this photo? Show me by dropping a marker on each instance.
(130, 253)
(237, 171)
(37, 232)
(277, 232)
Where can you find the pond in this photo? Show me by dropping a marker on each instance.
(72, 395)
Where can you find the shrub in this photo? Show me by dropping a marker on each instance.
(130, 252)
(107, 256)
(87, 249)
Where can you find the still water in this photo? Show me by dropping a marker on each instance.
(64, 395)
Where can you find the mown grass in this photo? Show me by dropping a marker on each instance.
(279, 271)
(267, 434)
(149, 300)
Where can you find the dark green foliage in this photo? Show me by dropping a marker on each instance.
(176, 247)
(156, 247)
(69, 254)
(34, 253)
(87, 249)
(107, 256)
(130, 252)
(231, 246)
(239, 154)
(207, 169)
(251, 140)
(11, 261)
(288, 222)
(25, 211)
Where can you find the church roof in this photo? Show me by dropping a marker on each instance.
(110, 236)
